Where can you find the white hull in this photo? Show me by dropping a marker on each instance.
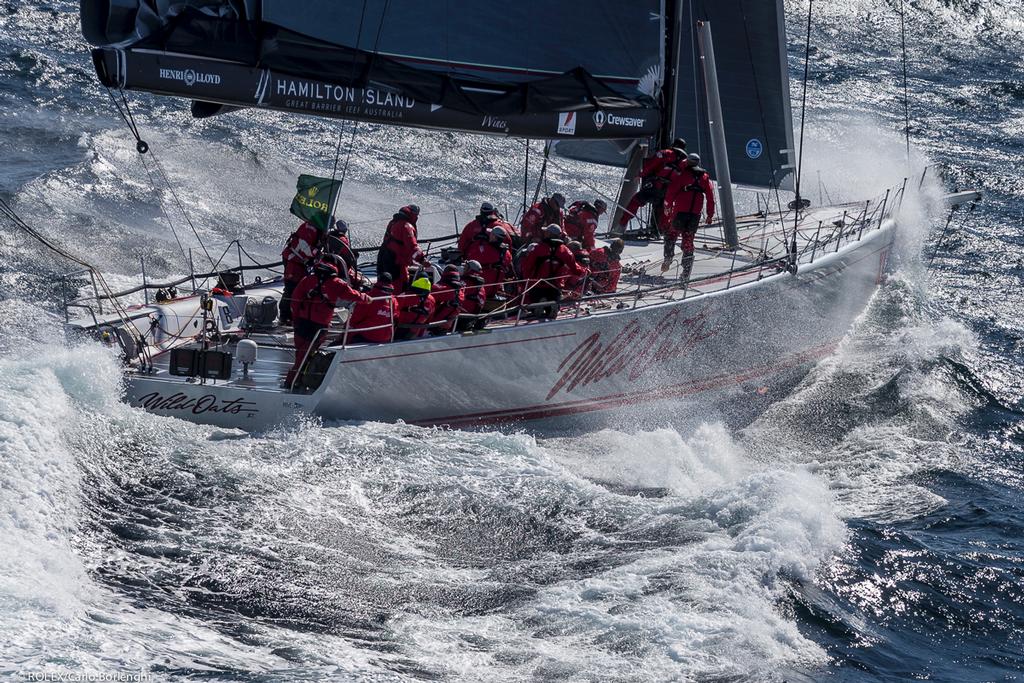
(722, 354)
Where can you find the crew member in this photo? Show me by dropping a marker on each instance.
(575, 284)
(655, 177)
(495, 259)
(400, 248)
(581, 221)
(448, 300)
(415, 310)
(338, 243)
(685, 199)
(313, 304)
(374, 322)
(474, 297)
(302, 247)
(477, 228)
(547, 211)
(605, 268)
(545, 267)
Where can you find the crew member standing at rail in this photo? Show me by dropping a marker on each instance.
(548, 211)
(313, 304)
(400, 248)
(302, 247)
(581, 221)
(605, 267)
(477, 228)
(373, 322)
(685, 199)
(655, 177)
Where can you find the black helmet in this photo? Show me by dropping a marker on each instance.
(487, 209)
(340, 227)
(679, 143)
(553, 232)
(600, 205)
(499, 232)
(617, 246)
(558, 198)
(325, 267)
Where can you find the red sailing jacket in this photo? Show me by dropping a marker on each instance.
(316, 302)
(474, 295)
(496, 262)
(414, 310)
(581, 223)
(540, 216)
(551, 262)
(604, 271)
(448, 301)
(400, 239)
(300, 249)
(380, 314)
(662, 165)
(687, 193)
(475, 228)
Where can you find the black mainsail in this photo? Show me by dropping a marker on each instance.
(568, 70)
(753, 80)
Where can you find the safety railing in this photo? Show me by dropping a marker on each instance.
(801, 244)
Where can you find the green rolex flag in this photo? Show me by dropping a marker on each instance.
(314, 198)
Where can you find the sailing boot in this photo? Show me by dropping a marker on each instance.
(670, 251)
(687, 264)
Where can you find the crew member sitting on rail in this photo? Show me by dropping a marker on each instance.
(313, 303)
(373, 322)
(685, 198)
(581, 221)
(605, 268)
(655, 177)
(415, 310)
(547, 211)
(474, 296)
(575, 284)
(545, 267)
(302, 248)
(448, 300)
(495, 258)
(400, 248)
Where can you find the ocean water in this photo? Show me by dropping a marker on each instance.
(865, 528)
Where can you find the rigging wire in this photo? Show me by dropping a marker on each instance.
(8, 211)
(803, 118)
(906, 96)
(124, 110)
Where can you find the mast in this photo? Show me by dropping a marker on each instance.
(717, 126)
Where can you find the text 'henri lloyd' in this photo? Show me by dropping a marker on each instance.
(190, 77)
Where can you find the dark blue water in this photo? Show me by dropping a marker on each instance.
(866, 528)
